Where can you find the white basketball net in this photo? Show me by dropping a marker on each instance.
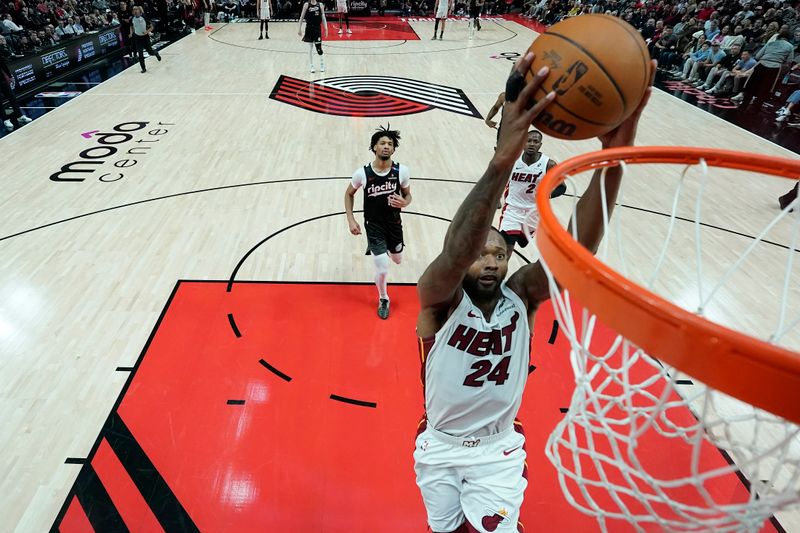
(641, 441)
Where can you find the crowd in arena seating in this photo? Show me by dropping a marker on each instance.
(746, 49)
(30, 26)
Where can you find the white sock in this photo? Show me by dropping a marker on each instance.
(311, 54)
(381, 275)
(206, 18)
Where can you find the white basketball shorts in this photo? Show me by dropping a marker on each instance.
(481, 480)
(512, 220)
(341, 6)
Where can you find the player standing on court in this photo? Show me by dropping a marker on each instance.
(519, 198)
(264, 11)
(387, 190)
(475, 8)
(442, 9)
(313, 15)
(475, 329)
(342, 10)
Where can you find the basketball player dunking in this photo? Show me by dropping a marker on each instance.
(313, 14)
(264, 11)
(442, 10)
(519, 198)
(387, 190)
(475, 336)
(342, 10)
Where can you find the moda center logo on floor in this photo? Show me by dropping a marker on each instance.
(114, 152)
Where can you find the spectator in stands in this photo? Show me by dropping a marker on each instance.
(711, 30)
(50, 34)
(694, 58)
(736, 78)
(649, 29)
(791, 106)
(725, 64)
(704, 11)
(11, 26)
(666, 49)
(76, 26)
(771, 33)
(730, 40)
(64, 30)
(771, 58)
(701, 67)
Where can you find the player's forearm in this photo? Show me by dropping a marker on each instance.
(589, 211)
(348, 206)
(470, 226)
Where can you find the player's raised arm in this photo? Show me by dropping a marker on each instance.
(439, 285)
(530, 281)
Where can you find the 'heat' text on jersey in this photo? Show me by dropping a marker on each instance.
(482, 343)
(525, 177)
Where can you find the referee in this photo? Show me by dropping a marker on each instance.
(140, 34)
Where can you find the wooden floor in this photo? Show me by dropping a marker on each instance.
(87, 266)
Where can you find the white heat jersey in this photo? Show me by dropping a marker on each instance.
(521, 188)
(474, 370)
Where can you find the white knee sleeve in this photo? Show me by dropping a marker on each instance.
(381, 264)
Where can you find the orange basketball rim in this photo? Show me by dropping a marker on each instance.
(720, 357)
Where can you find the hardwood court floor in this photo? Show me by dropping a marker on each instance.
(212, 167)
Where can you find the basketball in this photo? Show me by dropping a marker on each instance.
(599, 70)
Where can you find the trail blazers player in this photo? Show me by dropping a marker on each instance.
(313, 14)
(474, 335)
(387, 190)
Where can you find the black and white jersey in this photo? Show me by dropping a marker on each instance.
(378, 188)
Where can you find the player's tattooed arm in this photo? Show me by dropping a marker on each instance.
(439, 285)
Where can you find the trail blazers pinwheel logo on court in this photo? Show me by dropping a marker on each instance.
(371, 96)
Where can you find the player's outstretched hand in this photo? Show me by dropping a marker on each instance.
(625, 133)
(355, 229)
(395, 200)
(520, 109)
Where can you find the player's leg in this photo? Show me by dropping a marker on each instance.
(440, 483)
(394, 242)
(512, 228)
(494, 486)
(311, 57)
(441, 32)
(347, 20)
(378, 247)
(266, 29)
(341, 16)
(435, 27)
(318, 45)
